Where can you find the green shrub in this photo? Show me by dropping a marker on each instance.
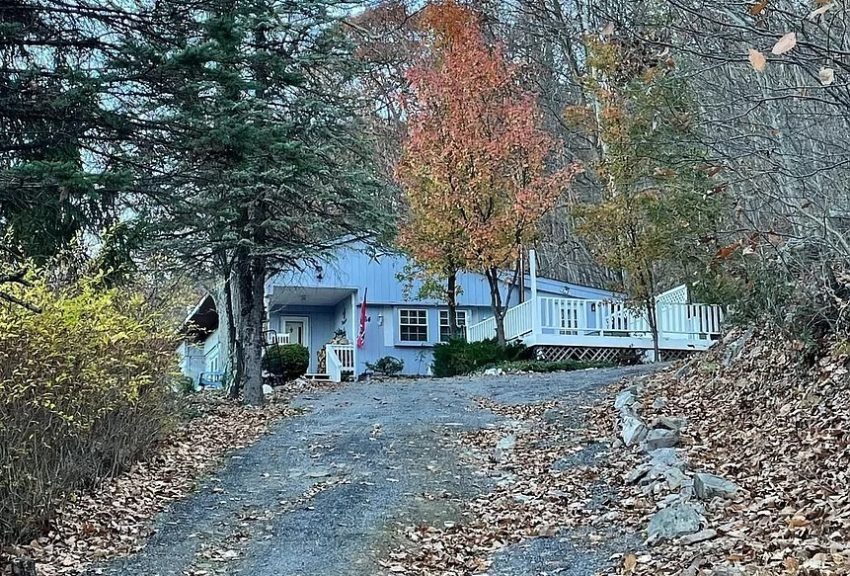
(289, 361)
(85, 390)
(388, 366)
(458, 357)
(546, 366)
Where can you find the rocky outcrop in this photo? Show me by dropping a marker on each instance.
(680, 515)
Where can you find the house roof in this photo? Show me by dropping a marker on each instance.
(201, 321)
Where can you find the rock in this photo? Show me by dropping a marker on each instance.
(674, 521)
(727, 571)
(670, 423)
(267, 389)
(494, 372)
(660, 438)
(638, 473)
(697, 537)
(634, 430)
(733, 350)
(624, 398)
(503, 447)
(708, 486)
(683, 372)
(659, 403)
(667, 457)
(675, 478)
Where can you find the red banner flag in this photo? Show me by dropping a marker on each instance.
(361, 336)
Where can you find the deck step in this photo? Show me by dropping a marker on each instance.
(317, 376)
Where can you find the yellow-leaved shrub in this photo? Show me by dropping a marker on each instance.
(85, 390)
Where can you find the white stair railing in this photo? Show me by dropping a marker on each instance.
(340, 359)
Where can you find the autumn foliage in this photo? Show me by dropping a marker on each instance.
(477, 167)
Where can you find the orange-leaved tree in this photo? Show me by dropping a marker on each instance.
(478, 169)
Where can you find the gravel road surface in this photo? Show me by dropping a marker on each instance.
(324, 493)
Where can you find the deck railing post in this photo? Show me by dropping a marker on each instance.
(535, 303)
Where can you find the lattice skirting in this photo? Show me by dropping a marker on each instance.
(622, 356)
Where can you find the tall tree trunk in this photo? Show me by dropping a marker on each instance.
(451, 302)
(233, 368)
(492, 275)
(251, 280)
(652, 318)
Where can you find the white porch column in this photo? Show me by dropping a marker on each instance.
(354, 318)
(535, 306)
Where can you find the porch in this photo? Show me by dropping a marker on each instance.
(323, 320)
(605, 326)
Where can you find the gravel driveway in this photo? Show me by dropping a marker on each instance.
(324, 493)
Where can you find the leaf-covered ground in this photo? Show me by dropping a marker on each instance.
(776, 426)
(115, 518)
(373, 478)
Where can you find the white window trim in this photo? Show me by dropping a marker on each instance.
(440, 324)
(426, 324)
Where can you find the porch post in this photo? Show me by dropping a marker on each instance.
(535, 306)
(354, 317)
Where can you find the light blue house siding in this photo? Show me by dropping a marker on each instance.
(314, 302)
(330, 295)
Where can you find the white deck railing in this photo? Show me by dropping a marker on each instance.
(340, 358)
(574, 321)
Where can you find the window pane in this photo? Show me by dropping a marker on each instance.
(413, 325)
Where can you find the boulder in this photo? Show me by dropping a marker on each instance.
(660, 438)
(494, 372)
(670, 423)
(634, 430)
(674, 521)
(624, 398)
(659, 403)
(267, 389)
(503, 447)
(638, 473)
(697, 537)
(733, 350)
(675, 478)
(667, 457)
(708, 486)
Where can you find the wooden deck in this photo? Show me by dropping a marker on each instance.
(573, 322)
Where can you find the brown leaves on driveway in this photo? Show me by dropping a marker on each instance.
(530, 498)
(115, 518)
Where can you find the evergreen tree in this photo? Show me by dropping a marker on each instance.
(256, 159)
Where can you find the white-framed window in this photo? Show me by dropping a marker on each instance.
(412, 325)
(444, 324)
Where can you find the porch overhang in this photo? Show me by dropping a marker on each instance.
(292, 296)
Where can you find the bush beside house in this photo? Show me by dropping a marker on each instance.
(85, 390)
(458, 357)
(288, 361)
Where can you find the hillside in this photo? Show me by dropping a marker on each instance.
(772, 419)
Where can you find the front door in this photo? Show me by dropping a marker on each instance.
(298, 330)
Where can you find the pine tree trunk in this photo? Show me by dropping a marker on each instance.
(451, 302)
(233, 368)
(492, 275)
(251, 281)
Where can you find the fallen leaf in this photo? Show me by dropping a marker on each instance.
(820, 11)
(758, 7)
(827, 76)
(785, 44)
(629, 563)
(791, 564)
(757, 59)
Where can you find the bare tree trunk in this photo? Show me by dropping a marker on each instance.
(652, 318)
(492, 275)
(451, 302)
